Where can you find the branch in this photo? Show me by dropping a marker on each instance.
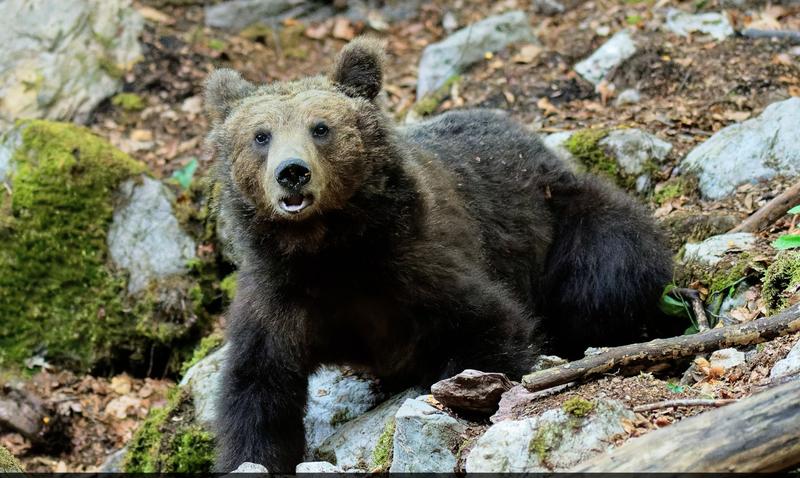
(636, 356)
(685, 402)
(771, 211)
(757, 434)
(698, 308)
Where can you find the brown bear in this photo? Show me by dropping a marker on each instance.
(459, 242)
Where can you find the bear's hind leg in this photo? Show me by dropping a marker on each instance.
(605, 271)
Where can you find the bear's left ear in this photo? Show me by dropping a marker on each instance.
(358, 71)
(223, 89)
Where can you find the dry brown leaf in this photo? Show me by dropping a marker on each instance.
(545, 105)
(343, 29)
(527, 54)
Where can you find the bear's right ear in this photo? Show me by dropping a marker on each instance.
(358, 71)
(223, 89)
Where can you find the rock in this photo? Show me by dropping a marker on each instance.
(468, 45)
(754, 150)
(628, 97)
(317, 467)
(612, 53)
(425, 439)
(8, 464)
(711, 251)
(555, 142)
(248, 467)
(555, 440)
(713, 24)
(61, 58)
(635, 150)
(237, 14)
(145, 238)
(691, 226)
(542, 362)
(59, 294)
(548, 7)
(449, 21)
(727, 358)
(113, 462)
(351, 446)
(513, 402)
(472, 391)
(334, 397)
(790, 365)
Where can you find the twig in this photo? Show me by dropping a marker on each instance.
(685, 402)
(697, 306)
(793, 36)
(760, 433)
(771, 211)
(635, 357)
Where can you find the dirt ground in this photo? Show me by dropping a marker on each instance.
(691, 88)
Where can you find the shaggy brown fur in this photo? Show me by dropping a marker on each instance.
(457, 243)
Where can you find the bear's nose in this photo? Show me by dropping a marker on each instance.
(292, 173)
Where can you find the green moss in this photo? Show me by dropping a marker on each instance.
(382, 454)
(228, 285)
(216, 44)
(726, 276)
(548, 437)
(59, 296)
(578, 407)
(206, 346)
(585, 147)
(673, 188)
(111, 68)
(169, 441)
(780, 281)
(128, 101)
(430, 102)
(8, 464)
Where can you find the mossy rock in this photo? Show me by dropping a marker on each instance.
(382, 454)
(169, 441)
(691, 226)
(60, 294)
(781, 281)
(8, 464)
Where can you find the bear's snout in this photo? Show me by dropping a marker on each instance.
(293, 173)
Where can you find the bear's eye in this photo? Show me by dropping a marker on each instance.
(263, 138)
(320, 130)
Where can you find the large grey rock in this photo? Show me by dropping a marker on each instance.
(756, 149)
(612, 53)
(204, 382)
(635, 151)
(60, 58)
(145, 237)
(466, 46)
(555, 143)
(555, 440)
(237, 14)
(351, 446)
(713, 24)
(248, 467)
(334, 397)
(9, 143)
(630, 96)
(711, 251)
(113, 462)
(790, 365)
(425, 439)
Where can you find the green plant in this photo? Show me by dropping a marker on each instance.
(675, 306)
(788, 241)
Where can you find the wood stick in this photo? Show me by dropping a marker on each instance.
(698, 307)
(771, 211)
(685, 402)
(793, 36)
(636, 356)
(760, 433)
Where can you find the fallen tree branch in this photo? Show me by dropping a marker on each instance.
(635, 357)
(685, 402)
(757, 434)
(791, 35)
(771, 211)
(698, 308)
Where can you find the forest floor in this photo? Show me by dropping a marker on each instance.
(690, 88)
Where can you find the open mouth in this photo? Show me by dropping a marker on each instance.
(295, 203)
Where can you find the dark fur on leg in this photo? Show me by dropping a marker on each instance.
(605, 270)
(264, 394)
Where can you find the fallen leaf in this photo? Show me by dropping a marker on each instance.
(142, 135)
(150, 13)
(343, 29)
(545, 105)
(121, 384)
(527, 54)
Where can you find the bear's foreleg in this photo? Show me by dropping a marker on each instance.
(263, 397)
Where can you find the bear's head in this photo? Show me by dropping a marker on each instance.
(292, 151)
